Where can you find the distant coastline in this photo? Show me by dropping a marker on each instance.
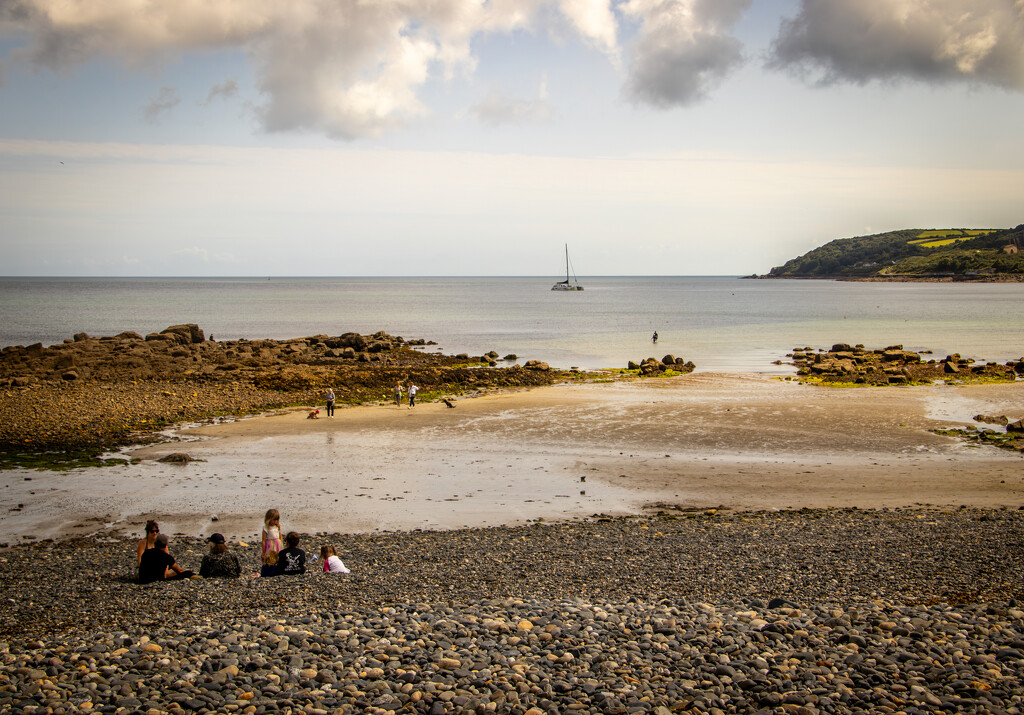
(1001, 278)
(980, 255)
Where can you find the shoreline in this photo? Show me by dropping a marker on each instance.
(702, 441)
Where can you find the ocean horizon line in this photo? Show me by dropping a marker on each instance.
(321, 277)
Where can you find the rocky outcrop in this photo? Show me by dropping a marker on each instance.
(182, 351)
(652, 367)
(893, 365)
(90, 392)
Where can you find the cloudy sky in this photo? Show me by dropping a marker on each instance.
(472, 137)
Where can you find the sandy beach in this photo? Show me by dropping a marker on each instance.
(727, 441)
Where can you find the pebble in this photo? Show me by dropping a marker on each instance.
(836, 611)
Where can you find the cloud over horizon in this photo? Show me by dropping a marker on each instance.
(356, 69)
(858, 41)
(682, 50)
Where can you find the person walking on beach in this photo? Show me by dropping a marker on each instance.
(152, 531)
(654, 338)
(219, 563)
(292, 560)
(271, 538)
(398, 394)
(330, 402)
(412, 395)
(157, 564)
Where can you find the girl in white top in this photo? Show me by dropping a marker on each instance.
(271, 537)
(332, 564)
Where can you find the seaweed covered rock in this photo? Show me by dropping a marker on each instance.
(91, 392)
(891, 365)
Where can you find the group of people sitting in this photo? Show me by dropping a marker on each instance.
(156, 563)
(291, 560)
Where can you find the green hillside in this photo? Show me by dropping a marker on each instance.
(914, 253)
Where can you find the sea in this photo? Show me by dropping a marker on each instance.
(722, 323)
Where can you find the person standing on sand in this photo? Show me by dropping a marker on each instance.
(398, 394)
(654, 338)
(152, 531)
(157, 564)
(330, 402)
(412, 395)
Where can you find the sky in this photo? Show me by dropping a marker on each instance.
(472, 137)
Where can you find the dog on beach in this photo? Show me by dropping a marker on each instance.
(313, 415)
(447, 403)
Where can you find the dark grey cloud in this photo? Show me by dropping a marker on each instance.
(682, 49)
(980, 41)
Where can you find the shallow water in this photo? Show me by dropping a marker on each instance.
(706, 440)
(721, 323)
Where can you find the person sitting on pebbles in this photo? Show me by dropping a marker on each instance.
(219, 563)
(332, 562)
(292, 560)
(157, 564)
(269, 567)
(152, 531)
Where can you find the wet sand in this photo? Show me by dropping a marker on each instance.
(745, 442)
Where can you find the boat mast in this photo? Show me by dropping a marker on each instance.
(567, 264)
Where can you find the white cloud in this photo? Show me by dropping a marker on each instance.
(167, 100)
(193, 252)
(929, 40)
(224, 90)
(346, 69)
(595, 20)
(682, 50)
(355, 69)
(497, 109)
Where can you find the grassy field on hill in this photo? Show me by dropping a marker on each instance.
(978, 254)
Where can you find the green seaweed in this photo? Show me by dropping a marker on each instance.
(1003, 440)
(60, 461)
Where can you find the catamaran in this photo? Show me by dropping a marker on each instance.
(566, 285)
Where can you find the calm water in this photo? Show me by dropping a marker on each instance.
(722, 324)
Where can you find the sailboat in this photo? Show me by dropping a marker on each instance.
(566, 285)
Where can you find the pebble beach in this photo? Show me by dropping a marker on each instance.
(806, 611)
